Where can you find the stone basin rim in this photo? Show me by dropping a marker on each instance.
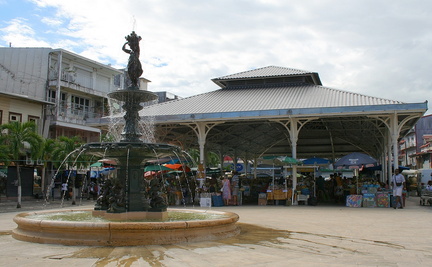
(229, 218)
(130, 233)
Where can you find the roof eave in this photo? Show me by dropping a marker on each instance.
(367, 110)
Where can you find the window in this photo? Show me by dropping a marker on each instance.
(80, 105)
(33, 119)
(14, 117)
(51, 96)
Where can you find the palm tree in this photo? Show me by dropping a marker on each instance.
(48, 147)
(5, 161)
(20, 138)
(194, 154)
(64, 150)
(212, 159)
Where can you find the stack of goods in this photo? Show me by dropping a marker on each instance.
(369, 200)
(354, 201)
(383, 200)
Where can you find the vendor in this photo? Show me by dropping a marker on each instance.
(429, 186)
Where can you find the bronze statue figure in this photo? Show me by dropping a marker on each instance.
(134, 67)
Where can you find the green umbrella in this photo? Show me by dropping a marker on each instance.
(97, 164)
(156, 168)
(288, 160)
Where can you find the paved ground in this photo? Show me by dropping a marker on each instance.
(271, 236)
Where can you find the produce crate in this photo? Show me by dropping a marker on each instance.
(277, 194)
(262, 202)
(217, 201)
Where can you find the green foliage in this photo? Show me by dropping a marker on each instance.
(20, 139)
(107, 138)
(48, 147)
(212, 158)
(195, 155)
(63, 148)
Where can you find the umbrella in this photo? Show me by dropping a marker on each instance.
(279, 159)
(178, 167)
(178, 160)
(150, 173)
(288, 160)
(356, 160)
(108, 161)
(227, 158)
(106, 171)
(316, 161)
(97, 164)
(156, 168)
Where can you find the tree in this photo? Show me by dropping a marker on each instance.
(48, 147)
(212, 159)
(194, 154)
(66, 150)
(20, 138)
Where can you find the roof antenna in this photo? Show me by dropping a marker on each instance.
(10, 44)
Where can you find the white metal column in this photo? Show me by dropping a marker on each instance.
(201, 129)
(294, 125)
(394, 128)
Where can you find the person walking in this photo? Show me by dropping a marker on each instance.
(226, 190)
(235, 180)
(398, 184)
(65, 192)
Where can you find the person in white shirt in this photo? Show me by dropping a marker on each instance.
(429, 186)
(65, 191)
(398, 184)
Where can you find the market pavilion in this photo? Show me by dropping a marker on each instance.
(286, 112)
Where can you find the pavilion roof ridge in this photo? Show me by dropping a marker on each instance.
(267, 72)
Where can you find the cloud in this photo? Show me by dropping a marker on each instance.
(20, 33)
(51, 21)
(370, 47)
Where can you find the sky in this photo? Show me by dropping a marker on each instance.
(378, 48)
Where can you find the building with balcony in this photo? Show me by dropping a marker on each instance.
(423, 131)
(56, 88)
(407, 148)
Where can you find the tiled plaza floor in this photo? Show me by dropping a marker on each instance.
(271, 236)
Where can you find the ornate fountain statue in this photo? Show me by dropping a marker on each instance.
(130, 191)
(134, 65)
(127, 197)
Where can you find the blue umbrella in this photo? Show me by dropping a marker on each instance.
(356, 159)
(106, 171)
(316, 161)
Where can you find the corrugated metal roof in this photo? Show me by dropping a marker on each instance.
(270, 71)
(264, 98)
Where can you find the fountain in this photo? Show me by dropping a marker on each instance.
(130, 210)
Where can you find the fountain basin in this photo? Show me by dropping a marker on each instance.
(128, 233)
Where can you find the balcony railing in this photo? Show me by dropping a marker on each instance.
(75, 116)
